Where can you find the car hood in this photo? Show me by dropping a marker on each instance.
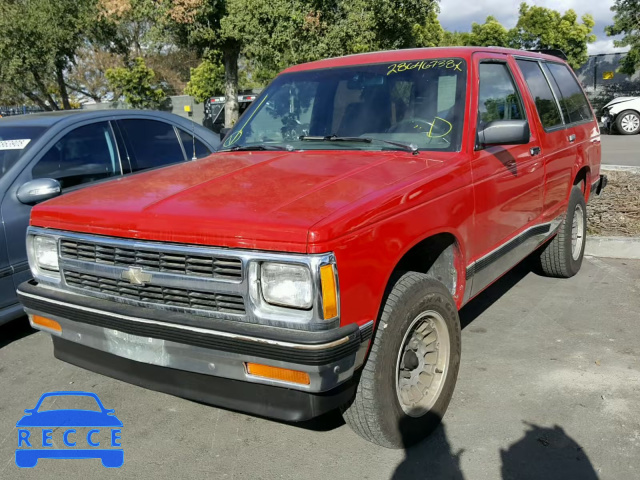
(615, 101)
(261, 200)
(69, 418)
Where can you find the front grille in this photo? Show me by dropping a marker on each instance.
(178, 263)
(176, 297)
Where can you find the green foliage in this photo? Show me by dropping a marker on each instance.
(491, 33)
(207, 80)
(538, 28)
(544, 28)
(137, 83)
(38, 44)
(626, 23)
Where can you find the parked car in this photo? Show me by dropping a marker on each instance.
(44, 155)
(623, 115)
(291, 274)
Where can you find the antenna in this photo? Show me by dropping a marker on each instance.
(193, 138)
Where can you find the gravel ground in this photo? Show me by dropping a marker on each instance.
(617, 211)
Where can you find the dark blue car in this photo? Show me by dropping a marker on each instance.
(44, 155)
(28, 452)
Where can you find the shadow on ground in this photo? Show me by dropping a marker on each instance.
(15, 330)
(542, 453)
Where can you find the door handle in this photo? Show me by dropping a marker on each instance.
(572, 138)
(534, 151)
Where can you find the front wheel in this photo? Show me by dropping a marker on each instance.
(628, 122)
(409, 377)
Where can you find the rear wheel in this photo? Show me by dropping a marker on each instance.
(409, 377)
(562, 256)
(628, 122)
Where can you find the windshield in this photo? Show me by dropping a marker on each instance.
(14, 141)
(418, 103)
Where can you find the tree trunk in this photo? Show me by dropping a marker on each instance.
(37, 100)
(62, 87)
(43, 90)
(231, 107)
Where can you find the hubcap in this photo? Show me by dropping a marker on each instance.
(630, 123)
(577, 232)
(423, 362)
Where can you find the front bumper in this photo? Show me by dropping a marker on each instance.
(165, 351)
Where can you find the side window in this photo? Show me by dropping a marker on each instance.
(572, 99)
(153, 144)
(541, 92)
(498, 97)
(188, 141)
(84, 155)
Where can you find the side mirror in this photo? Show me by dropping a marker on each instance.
(223, 132)
(504, 132)
(39, 190)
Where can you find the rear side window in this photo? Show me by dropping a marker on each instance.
(498, 98)
(541, 92)
(573, 100)
(153, 144)
(188, 141)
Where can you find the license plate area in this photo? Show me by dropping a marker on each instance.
(141, 349)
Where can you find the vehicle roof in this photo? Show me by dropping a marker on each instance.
(56, 121)
(47, 119)
(413, 54)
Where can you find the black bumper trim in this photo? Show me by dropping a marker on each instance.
(254, 398)
(347, 339)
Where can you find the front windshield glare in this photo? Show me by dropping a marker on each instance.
(418, 103)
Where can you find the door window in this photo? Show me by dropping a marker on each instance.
(541, 92)
(84, 155)
(498, 96)
(152, 144)
(573, 101)
(188, 141)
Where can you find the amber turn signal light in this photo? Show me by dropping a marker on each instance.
(46, 323)
(276, 373)
(329, 292)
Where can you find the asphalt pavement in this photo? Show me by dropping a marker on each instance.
(549, 388)
(621, 150)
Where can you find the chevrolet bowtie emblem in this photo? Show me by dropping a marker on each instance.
(135, 276)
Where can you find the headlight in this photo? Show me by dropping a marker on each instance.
(45, 252)
(286, 285)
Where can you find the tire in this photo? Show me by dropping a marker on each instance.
(376, 412)
(559, 259)
(628, 122)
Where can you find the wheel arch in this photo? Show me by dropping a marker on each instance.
(440, 256)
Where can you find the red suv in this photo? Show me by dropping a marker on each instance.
(318, 260)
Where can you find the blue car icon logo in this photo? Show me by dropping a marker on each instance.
(36, 429)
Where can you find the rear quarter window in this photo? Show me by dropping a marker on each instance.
(572, 99)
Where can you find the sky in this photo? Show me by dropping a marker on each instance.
(459, 14)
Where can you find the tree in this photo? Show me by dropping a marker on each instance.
(544, 28)
(137, 83)
(626, 22)
(491, 33)
(39, 42)
(207, 80)
(87, 76)
(455, 39)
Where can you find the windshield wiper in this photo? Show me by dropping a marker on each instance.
(335, 138)
(248, 148)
